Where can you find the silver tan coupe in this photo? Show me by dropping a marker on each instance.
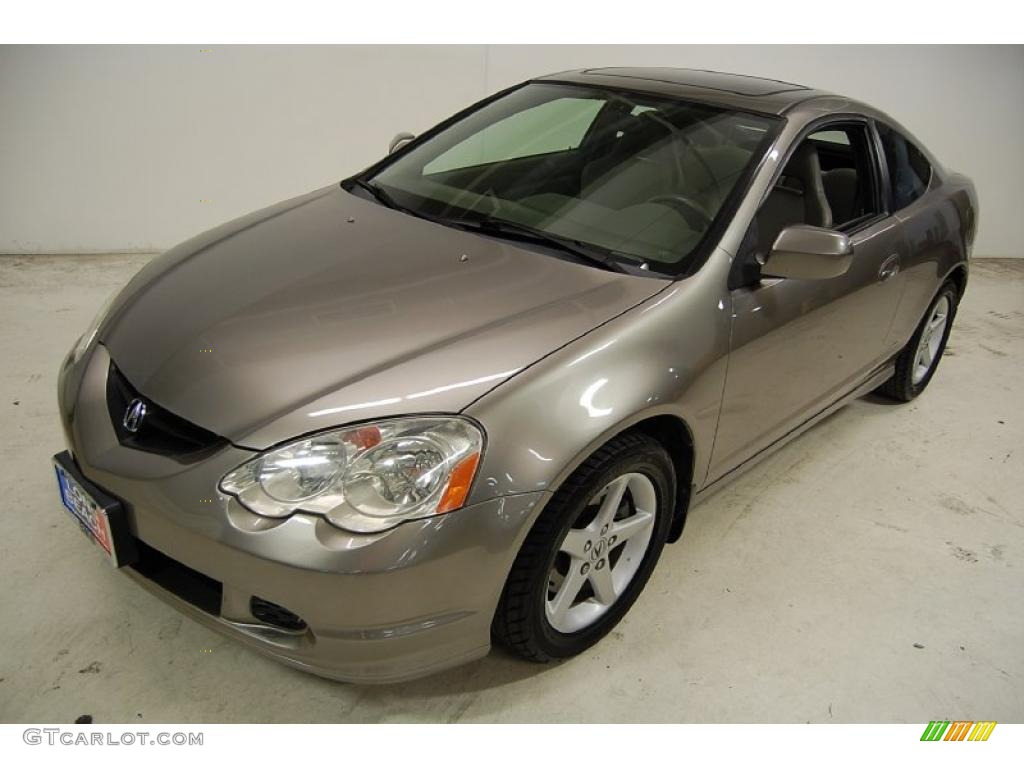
(471, 392)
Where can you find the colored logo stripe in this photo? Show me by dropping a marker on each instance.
(982, 731)
(959, 730)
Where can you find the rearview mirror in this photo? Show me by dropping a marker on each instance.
(400, 140)
(808, 253)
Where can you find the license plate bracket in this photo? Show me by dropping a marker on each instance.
(101, 517)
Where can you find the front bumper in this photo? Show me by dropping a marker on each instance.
(376, 608)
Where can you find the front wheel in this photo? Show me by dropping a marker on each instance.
(590, 553)
(916, 363)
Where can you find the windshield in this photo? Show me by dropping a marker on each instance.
(635, 177)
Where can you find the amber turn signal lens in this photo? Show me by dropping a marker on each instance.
(458, 485)
(365, 437)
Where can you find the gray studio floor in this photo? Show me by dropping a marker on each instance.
(871, 571)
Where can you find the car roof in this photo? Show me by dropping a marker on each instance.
(745, 92)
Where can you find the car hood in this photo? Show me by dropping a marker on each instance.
(328, 309)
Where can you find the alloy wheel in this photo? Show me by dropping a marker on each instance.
(601, 553)
(931, 340)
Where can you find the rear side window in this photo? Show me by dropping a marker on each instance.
(910, 173)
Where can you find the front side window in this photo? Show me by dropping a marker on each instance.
(910, 173)
(639, 178)
(829, 181)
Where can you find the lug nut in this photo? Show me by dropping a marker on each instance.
(604, 530)
(586, 547)
(600, 564)
(611, 541)
(586, 569)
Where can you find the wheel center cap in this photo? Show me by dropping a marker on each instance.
(598, 550)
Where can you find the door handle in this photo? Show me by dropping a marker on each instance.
(890, 267)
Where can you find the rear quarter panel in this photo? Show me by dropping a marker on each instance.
(939, 229)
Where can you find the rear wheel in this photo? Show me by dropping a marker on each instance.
(590, 553)
(916, 363)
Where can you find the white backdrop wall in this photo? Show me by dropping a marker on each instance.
(114, 148)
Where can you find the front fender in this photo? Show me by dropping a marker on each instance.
(665, 357)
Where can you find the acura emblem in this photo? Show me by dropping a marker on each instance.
(134, 415)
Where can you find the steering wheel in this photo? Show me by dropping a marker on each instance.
(689, 209)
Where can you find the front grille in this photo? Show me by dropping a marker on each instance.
(177, 578)
(275, 615)
(160, 431)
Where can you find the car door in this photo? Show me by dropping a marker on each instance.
(799, 345)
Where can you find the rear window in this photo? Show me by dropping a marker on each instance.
(910, 173)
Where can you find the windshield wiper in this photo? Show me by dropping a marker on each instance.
(502, 228)
(378, 194)
(505, 228)
(384, 198)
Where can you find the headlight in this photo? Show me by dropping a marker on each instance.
(365, 478)
(86, 339)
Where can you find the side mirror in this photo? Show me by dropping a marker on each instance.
(808, 253)
(400, 140)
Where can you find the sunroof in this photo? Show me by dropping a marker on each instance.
(743, 85)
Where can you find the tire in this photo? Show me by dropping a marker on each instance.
(526, 621)
(908, 382)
